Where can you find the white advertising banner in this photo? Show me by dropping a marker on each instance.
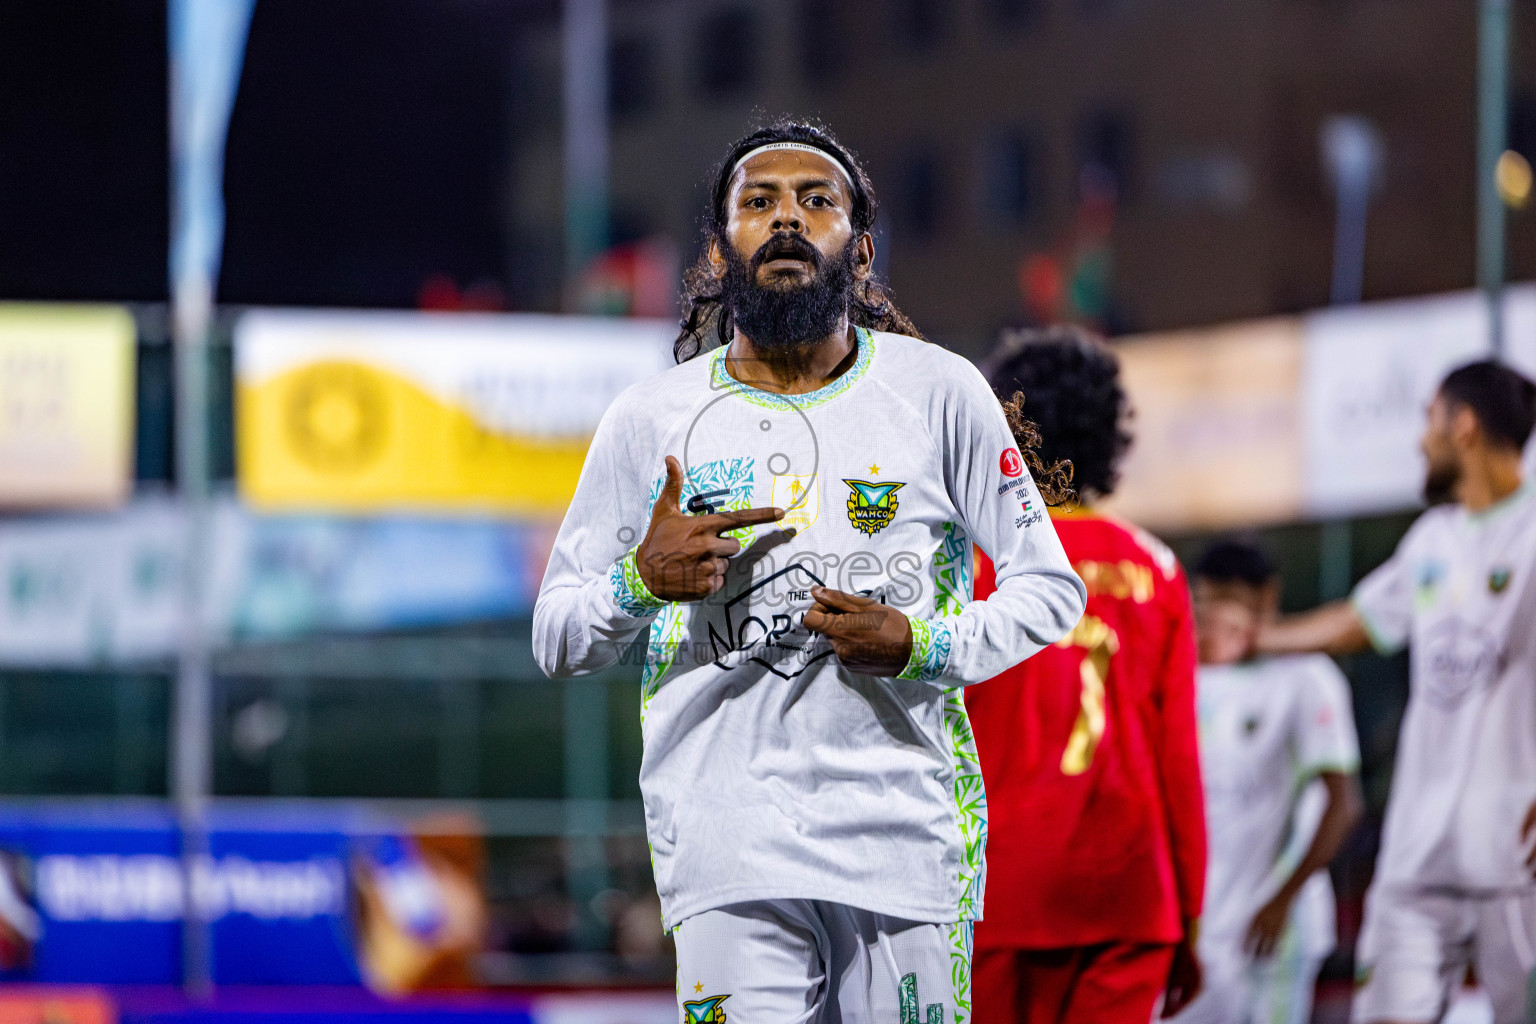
(1301, 417)
(66, 405)
(1370, 371)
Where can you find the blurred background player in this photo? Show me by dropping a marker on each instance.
(1280, 760)
(1453, 879)
(1096, 842)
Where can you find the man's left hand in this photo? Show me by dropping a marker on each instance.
(1268, 924)
(867, 636)
(1185, 978)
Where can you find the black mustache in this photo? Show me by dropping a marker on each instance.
(787, 243)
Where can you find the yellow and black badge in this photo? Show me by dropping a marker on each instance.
(705, 1011)
(871, 507)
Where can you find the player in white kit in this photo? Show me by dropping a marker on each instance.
(782, 529)
(1279, 759)
(1453, 882)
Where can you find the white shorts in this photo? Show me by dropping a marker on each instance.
(1416, 944)
(812, 962)
(1239, 988)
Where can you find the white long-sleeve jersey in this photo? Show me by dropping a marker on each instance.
(771, 771)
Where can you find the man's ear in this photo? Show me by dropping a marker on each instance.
(716, 258)
(1466, 431)
(864, 257)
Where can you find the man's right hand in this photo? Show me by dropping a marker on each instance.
(683, 557)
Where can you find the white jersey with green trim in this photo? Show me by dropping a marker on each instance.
(1461, 591)
(1267, 729)
(770, 771)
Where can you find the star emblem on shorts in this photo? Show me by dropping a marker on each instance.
(698, 987)
(874, 470)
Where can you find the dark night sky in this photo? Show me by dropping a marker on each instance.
(368, 150)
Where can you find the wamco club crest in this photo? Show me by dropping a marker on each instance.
(871, 507)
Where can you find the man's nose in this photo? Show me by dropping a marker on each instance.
(787, 220)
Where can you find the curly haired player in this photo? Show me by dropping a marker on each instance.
(1097, 834)
(783, 524)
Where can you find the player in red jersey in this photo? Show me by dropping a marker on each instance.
(1096, 840)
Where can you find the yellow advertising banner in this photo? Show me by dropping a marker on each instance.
(66, 405)
(445, 412)
(1218, 426)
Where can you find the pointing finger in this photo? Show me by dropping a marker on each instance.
(741, 517)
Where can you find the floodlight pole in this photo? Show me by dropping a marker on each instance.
(192, 738)
(584, 39)
(584, 63)
(1352, 154)
(206, 44)
(1492, 132)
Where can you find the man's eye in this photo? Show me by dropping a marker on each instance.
(818, 201)
(758, 203)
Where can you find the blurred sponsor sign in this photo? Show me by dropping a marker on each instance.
(1370, 372)
(106, 893)
(84, 589)
(1316, 416)
(414, 410)
(66, 404)
(1217, 425)
(95, 893)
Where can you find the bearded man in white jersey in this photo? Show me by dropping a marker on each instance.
(1453, 882)
(781, 526)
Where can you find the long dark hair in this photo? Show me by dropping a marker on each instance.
(870, 304)
(1075, 435)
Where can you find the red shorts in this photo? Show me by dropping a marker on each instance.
(1112, 983)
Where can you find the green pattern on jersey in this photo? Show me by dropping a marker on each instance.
(961, 934)
(666, 640)
(951, 593)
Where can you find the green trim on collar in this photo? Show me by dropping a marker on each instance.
(721, 380)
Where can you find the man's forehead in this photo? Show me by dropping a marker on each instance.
(785, 166)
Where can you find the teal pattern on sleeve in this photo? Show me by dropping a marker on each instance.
(629, 591)
(930, 650)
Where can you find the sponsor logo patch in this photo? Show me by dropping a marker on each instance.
(1011, 463)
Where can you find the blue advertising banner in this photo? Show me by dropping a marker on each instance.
(96, 896)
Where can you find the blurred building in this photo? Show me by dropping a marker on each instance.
(982, 121)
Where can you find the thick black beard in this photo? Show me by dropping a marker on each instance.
(1440, 484)
(787, 317)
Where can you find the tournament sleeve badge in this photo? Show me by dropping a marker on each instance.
(705, 1011)
(871, 507)
(1498, 579)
